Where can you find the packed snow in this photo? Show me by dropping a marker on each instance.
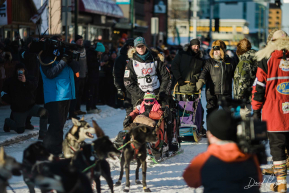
(163, 177)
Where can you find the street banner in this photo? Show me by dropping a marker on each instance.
(37, 16)
(123, 2)
(160, 6)
(5, 12)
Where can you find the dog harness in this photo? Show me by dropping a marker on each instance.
(135, 150)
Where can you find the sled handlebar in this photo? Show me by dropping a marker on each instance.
(188, 82)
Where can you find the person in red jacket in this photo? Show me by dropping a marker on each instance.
(223, 167)
(271, 95)
(149, 107)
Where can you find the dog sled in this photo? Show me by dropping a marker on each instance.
(189, 111)
(167, 131)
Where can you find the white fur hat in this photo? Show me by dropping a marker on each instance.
(280, 34)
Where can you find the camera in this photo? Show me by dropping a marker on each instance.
(55, 48)
(251, 134)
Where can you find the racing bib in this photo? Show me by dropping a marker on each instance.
(146, 74)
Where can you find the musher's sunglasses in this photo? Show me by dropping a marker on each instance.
(216, 47)
(149, 100)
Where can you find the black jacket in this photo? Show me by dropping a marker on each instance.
(187, 65)
(119, 67)
(93, 64)
(131, 82)
(218, 76)
(183, 66)
(20, 95)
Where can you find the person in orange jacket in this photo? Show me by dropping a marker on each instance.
(149, 107)
(223, 167)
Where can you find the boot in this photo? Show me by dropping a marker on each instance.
(280, 171)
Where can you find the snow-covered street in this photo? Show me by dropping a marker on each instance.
(164, 177)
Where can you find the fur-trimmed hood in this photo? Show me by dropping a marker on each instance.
(187, 49)
(222, 48)
(155, 54)
(278, 44)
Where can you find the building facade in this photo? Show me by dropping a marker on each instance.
(275, 16)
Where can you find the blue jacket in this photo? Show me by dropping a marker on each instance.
(58, 82)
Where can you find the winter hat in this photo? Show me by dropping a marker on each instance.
(99, 47)
(218, 45)
(77, 37)
(280, 34)
(139, 41)
(271, 35)
(195, 42)
(129, 42)
(243, 46)
(149, 95)
(222, 125)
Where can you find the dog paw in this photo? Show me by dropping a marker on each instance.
(138, 182)
(118, 183)
(147, 190)
(126, 189)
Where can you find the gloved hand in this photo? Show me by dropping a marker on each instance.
(200, 84)
(257, 114)
(120, 94)
(193, 80)
(67, 58)
(146, 113)
(127, 121)
(181, 82)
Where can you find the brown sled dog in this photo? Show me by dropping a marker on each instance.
(139, 136)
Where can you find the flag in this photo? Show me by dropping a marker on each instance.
(37, 16)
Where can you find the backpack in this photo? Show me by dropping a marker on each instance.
(244, 76)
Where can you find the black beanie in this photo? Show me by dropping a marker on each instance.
(222, 125)
(195, 42)
(129, 42)
(77, 37)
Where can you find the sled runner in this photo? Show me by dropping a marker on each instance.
(189, 112)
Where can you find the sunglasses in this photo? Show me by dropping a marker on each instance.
(149, 100)
(216, 47)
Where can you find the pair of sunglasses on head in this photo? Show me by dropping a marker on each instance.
(216, 47)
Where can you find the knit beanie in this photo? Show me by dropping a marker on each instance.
(222, 125)
(149, 95)
(77, 37)
(99, 47)
(129, 42)
(195, 42)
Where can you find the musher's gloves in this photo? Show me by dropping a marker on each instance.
(127, 121)
(200, 84)
(120, 94)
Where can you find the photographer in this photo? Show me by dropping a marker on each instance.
(19, 93)
(270, 94)
(57, 70)
(210, 169)
(118, 71)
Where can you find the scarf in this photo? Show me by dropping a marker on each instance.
(155, 107)
(145, 56)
